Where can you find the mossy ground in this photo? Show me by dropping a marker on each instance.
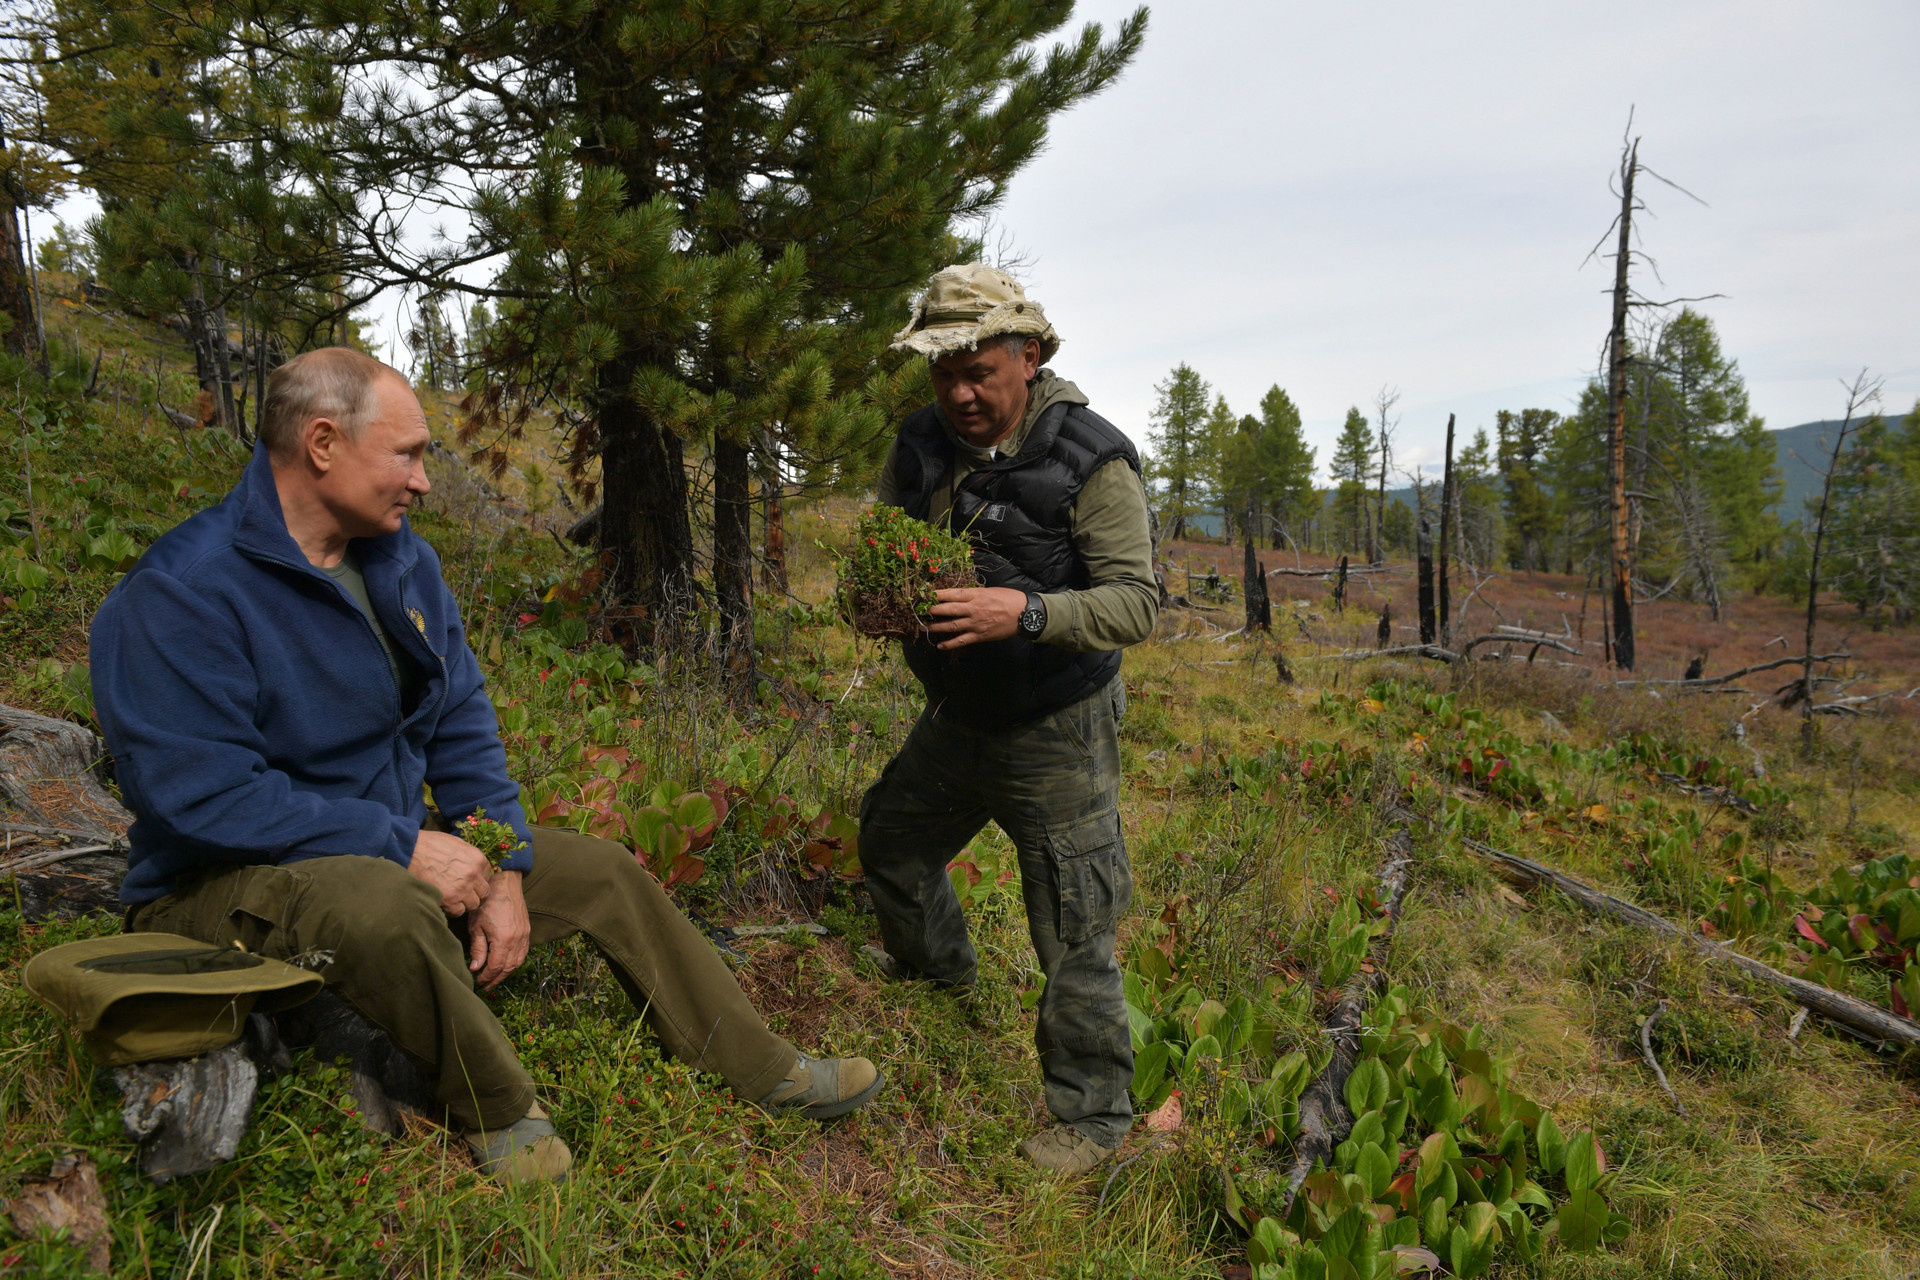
(1796, 1157)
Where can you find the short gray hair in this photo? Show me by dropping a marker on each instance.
(330, 382)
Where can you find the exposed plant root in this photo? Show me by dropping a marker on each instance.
(1324, 1119)
(1646, 1051)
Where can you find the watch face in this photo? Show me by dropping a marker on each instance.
(1033, 621)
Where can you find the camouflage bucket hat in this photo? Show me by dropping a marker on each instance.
(966, 305)
(138, 997)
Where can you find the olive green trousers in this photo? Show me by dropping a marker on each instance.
(380, 939)
(1053, 786)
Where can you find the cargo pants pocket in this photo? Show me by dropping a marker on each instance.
(1092, 879)
(260, 910)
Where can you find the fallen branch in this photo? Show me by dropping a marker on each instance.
(53, 833)
(1323, 1114)
(1857, 1017)
(1433, 651)
(1537, 641)
(1731, 676)
(47, 857)
(1646, 1050)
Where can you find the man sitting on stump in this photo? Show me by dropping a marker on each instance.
(278, 677)
(1023, 686)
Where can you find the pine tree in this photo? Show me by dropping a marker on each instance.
(708, 219)
(1873, 531)
(1285, 465)
(1178, 440)
(1480, 530)
(1523, 438)
(1352, 469)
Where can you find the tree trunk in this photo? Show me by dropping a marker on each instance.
(644, 530)
(1427, 630)
(733, 560)
(66, 851)
(22, 337)
(1254, 587)
(1617, 422)
(774, 562)
(1443, 604)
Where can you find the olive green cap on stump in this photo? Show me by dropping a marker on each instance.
(139, 997)
(966, 305)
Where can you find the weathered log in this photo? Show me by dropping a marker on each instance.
(1324, 1119)
(54, 801)
(189, 1114)
(1857, 1017)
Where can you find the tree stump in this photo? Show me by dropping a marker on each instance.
(63, 843)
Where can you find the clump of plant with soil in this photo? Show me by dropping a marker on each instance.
(890, 573)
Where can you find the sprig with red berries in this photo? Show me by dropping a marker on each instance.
(496, 840)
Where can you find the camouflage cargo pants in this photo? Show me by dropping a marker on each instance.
(1053, 786)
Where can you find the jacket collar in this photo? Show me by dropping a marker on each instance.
(261, 528)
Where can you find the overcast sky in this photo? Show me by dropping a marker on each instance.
(1340, 197)
(1336, 197)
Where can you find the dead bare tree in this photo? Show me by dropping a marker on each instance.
(1447, 486)
(1383, 402)
(1862, 391)
(1619, 357)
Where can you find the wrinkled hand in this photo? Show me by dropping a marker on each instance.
(454, 867)
(499, 935)
(971, 614)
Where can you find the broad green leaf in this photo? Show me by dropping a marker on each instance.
(1268, 1243)
(1552, 1146)
(1206, 1019)
(1139, 1027)
(1347, 1233)
(1292, 1073)
(1374, 1169)
(1583, 1164)
(1150, 1066)
(1367, 1087)
(1534, 1194)
(1369, 1129)
(1583, 1220)
(693, 810)
(1435, 1229)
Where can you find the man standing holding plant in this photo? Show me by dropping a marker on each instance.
(1023, 686)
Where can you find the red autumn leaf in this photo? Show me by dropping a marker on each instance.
(686, 870)
(1807, 931)
(1896, 1000)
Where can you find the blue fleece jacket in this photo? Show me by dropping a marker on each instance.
(251, 712)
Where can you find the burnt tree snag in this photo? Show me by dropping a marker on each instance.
(1444, 604)
(1617, 360)
(1427, 630)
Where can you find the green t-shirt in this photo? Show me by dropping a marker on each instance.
(347, 574)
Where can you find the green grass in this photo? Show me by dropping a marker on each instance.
(1795, 1158)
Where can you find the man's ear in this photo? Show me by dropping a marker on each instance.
(321, 443)
(1030, 359)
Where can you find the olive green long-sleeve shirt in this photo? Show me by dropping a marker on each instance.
(1108, 525)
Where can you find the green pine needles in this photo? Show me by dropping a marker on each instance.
(892, 569)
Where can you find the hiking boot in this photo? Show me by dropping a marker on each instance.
(1064, 1149)
(893, 971)
(889, 967)
(822, 1088)
(528, 1150)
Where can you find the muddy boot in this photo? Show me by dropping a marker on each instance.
(1064, 1149)
(528, 1150)
(822, 1088)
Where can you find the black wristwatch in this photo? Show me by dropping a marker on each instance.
(1033, 619)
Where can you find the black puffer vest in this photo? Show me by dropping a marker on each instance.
(1017, 512)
